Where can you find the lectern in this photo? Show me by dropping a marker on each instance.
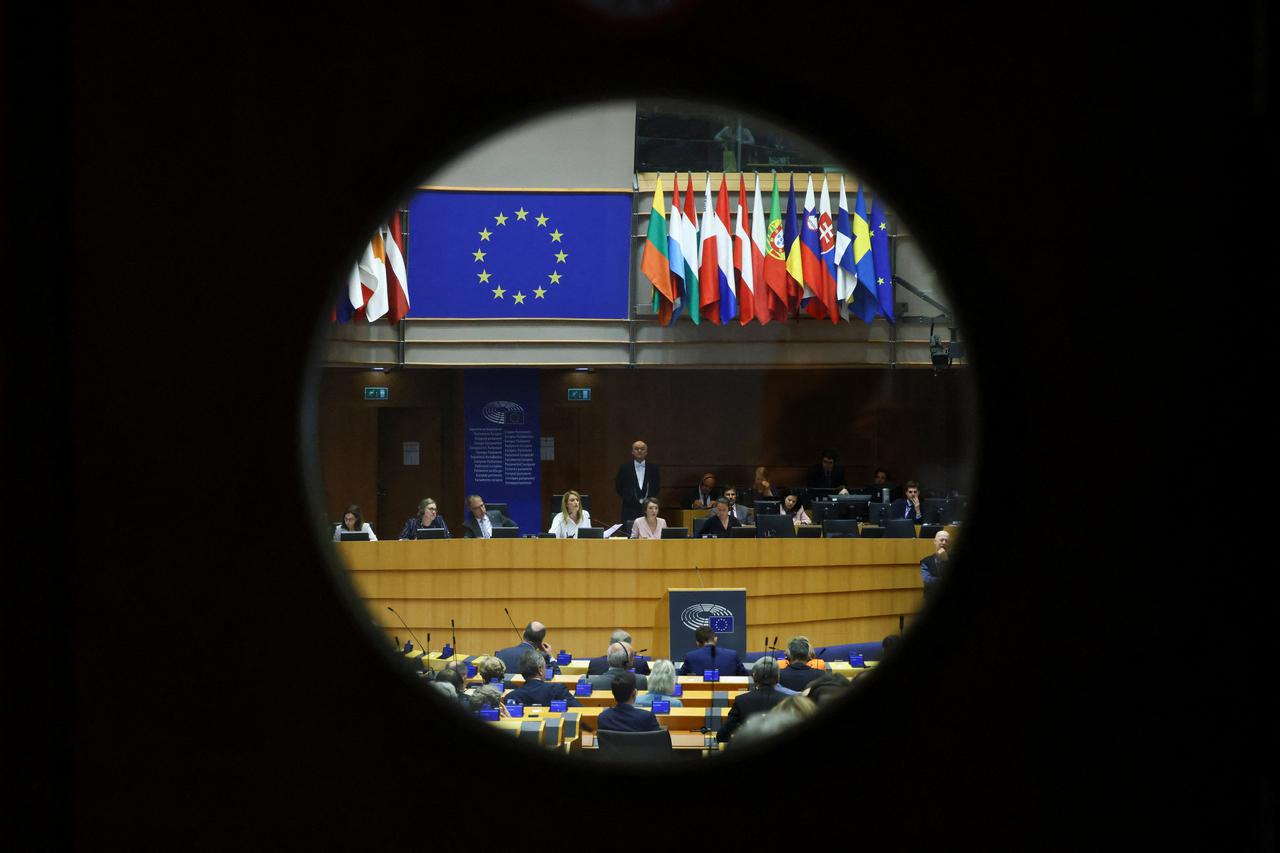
(682, 611)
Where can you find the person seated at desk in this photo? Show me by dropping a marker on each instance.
(487, 696)
(353, 522)
(456, 680)
(428, 516)
(737, 510)
(760, 489)
(536, 690)
(708, 656)
(597, 666)
(621, 658)
(827, 474)
(625, 716)
(791, 506)
(798, 673)
(533, 637)
(705, 493)
(908, 506)
(662, 680)
(934, 566)
(570, 517)
(720, 522)
(480, 524)
(489, 668)
(764, 673)
(649, 526)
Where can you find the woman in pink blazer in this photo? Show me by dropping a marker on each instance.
(648, 526)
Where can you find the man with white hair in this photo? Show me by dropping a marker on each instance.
(934, 566)
(765, 695)
(597, 666)
(620, 658)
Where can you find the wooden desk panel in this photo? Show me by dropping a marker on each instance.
(833, 590)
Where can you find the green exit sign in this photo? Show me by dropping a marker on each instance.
(372, 393)
(579, 393)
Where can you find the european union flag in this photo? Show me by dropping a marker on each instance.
(721, 624)
(519, 255)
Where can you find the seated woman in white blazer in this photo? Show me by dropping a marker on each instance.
(648, 526)
(570, 517)
(353, 522)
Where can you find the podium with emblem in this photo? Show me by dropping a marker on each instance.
(683, 610)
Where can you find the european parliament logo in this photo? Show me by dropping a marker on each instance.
(519, 254)
(715, 616)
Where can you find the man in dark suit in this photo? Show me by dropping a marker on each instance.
(620, 659)
(703, 493)
(827, 474)
(735, 509)
(637, 480)
(625, 716)
(536, 690)
(708, 656)
(908, 506)
(934, 566)
(480, 523)
(765, 675)
(596, 666)
(797, 674)
(535, 635)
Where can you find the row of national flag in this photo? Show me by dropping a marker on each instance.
(767, 269)
(379, 283)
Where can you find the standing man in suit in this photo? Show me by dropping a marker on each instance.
(636, 481)
(797, 674)
(536, 690)
(765, 675)
(480, 523)
(596, 666)
(620, 659)
(625, 716)
(535, 636)
(708, 656)
(827, 474)
(934, 566)
(908, 506)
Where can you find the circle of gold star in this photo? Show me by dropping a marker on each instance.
(521, 215)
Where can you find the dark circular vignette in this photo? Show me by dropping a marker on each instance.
(419, 170)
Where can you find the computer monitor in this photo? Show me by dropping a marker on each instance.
(815, 493)
(931, 509)
(500, 507)
(506, 533)
(853, 506)
(771, 526)
(675, 533)
(871, 533)
(354, 536)
(954, 511)
(820, 511)
(742, 531)
(899, 528)
(844, 528)
(430, 533)
(590, 532)
(768, 507)
(928, 531)
(807, 531)
(876, 512)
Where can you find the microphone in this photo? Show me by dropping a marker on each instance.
(513, 624)
(700, 580)
(405, 624)
(427, 655)
(454, 637)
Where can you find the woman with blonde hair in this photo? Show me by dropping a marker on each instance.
(570, 517)
(662, 681)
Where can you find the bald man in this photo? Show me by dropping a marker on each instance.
(637, 481)
(934, 566)
(621, 658)
(535, 634)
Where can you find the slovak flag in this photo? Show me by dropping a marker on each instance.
(826, 284)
